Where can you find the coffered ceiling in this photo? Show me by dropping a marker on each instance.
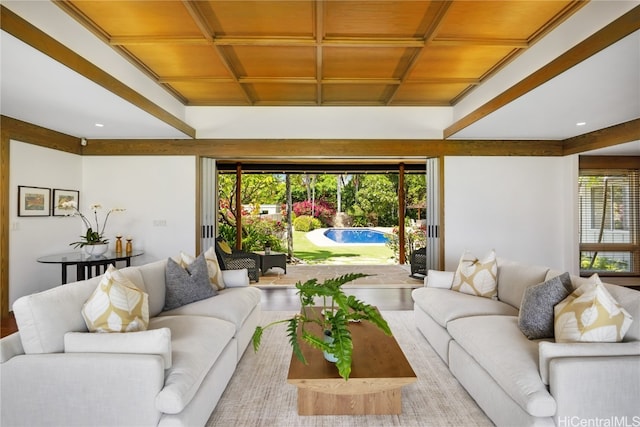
(404, 69)
(307, 52)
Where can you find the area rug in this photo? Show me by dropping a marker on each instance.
(259, 395)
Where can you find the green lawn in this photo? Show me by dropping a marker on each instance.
(339, 254)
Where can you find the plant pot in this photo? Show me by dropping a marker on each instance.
(329, 339)
(97, 249)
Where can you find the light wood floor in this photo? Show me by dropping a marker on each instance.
(388, 287)
(387, 298)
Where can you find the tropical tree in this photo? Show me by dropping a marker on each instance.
(377, 199)
(256, 189)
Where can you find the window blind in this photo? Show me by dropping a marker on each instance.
(609, 208)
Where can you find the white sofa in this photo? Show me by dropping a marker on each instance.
(147, 383)
(522, 382)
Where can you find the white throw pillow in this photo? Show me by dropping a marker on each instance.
(236, 278)
(477, 276)
(153, 341)
(117, 305)
(439, 279)
(590, 314)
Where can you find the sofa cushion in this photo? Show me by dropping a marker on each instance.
(41, 332)
(553, 350)
(439, 279)
(444, 305)
(116, 305)
(514, 278)
(236, 278)
(232, 304)
(591, 314)
(535, 319)
(153, 275)
(498, 346)
(153, 341)
(476, 276)
(187, 285)
(196, 344)
(629, 299)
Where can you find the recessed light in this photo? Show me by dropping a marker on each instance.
(99, 125)
(581, 123)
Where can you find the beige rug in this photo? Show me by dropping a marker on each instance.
(259, 395)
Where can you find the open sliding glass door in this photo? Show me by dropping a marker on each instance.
(433, 214)
(208, 203)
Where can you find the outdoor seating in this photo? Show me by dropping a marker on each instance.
(419, 262)
(234, 259)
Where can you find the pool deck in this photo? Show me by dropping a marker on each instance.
(318, 238)
(381, 276)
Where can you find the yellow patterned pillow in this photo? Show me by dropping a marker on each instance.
(215, 273)
(116, 305)
(225, 247)
(477, 277)
(590, 314)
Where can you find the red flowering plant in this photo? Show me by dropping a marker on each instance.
(321, 209)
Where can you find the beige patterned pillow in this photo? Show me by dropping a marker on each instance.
(590, 314)
(477, 277)
(215, 273)
(116, 305)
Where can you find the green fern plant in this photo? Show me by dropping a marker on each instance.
(338, 311)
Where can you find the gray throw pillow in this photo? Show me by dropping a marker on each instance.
(184, 286)
(535, 319)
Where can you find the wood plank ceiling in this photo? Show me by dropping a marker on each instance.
(307, 52)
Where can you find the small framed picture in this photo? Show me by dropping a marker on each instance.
(63, 196)
(34, 201)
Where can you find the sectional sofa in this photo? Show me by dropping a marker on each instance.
(519, 381)
(54, 372)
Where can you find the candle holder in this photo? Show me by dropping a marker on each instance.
(129, 247)
(118, 244)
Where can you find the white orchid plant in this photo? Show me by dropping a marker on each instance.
(92, 236)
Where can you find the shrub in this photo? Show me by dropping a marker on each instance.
(415, 238)
(322, 210)
(306, 223)
(256, 233)
(262, 231)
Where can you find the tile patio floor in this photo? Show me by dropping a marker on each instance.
(382, 275)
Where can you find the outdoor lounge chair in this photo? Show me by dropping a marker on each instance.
(237, 259)
(419, 262)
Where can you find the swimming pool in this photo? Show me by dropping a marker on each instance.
(355, 235)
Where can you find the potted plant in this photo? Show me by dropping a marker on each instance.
(93, 237)
(338, 310)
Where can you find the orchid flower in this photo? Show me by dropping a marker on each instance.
(91, 237)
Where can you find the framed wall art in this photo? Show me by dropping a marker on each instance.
(62, 196)
(34, 201)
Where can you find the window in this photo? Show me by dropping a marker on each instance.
(609, 199)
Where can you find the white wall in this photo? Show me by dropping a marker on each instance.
(153, 189)
(523, 207)
(159, 193)
(320, 122)
(33, 237)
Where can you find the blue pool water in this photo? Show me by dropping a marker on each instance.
(355, 235)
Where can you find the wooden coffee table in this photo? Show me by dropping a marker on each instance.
(378, 371)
